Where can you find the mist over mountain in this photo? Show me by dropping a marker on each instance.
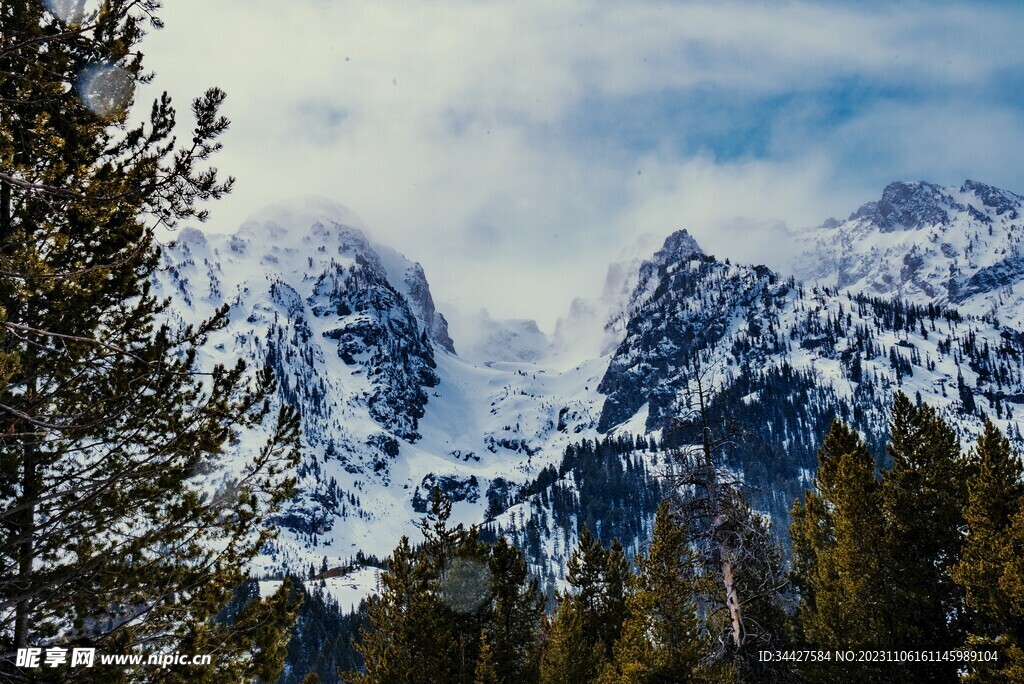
(917, 291)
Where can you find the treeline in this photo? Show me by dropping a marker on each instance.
(452, 609)
(606, 485)
(321, 639)
(925, 555)
(928, 555)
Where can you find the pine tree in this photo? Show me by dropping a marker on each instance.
(838, 568)
(966, 395)
(568, 656)
(444, 626)
(514, 623)
(923, 497)
(1012, 583)
(441, 603)
(486, 670)
(588, 615)
(585, 573)
(835, 536)
(616, 579)
(262, 627)
(661, 640)
(873, 559)
(110, 533)
(404, 619)
(456, 562)
(989, 568)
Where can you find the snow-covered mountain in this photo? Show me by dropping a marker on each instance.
(783, 361)
(515, 437)
(924, 243)
(388, 408)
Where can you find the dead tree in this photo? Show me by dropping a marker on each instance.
(733, 544)
(701, 494)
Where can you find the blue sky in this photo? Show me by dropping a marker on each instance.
(515, 147)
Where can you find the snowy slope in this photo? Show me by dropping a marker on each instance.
(484, 339)
(927, 244)
(389, 410)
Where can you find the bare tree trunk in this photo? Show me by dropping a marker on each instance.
(732, 601)
(25, 554)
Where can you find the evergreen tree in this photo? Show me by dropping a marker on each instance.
(442, 603)
(401, 644)
(923, 498)
(989, 568)
(110, 532)
(456, 561)
(874, 560)
(568, 656)
(838, 568)
(589, 616)
(966, 395)
(616, 579)
(321, 642)
(835, 537)
(511, 632)
(585, 573)
(486, 671)
(413, 635)
(661, 640)
(1012, 583)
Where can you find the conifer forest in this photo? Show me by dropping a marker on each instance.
(259, 443)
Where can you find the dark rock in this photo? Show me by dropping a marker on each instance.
(907, 206)
(453, 487)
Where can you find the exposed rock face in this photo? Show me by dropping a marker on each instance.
(431, 320)
(907, 206)
(927, 244)
(374, 327)
(684, 304)
(351, 345)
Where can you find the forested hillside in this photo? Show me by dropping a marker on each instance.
(260, 452)
(918, 561)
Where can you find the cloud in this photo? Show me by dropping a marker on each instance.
(318, 120)
(513, 148)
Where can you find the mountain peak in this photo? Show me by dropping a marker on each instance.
(956, 244)
(678, 246)
(907, 206)
(1002, 201)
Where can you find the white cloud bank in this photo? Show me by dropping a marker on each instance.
(448, 125)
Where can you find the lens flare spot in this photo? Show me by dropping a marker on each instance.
(465, 584)
(73, 12)
(106, 89)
